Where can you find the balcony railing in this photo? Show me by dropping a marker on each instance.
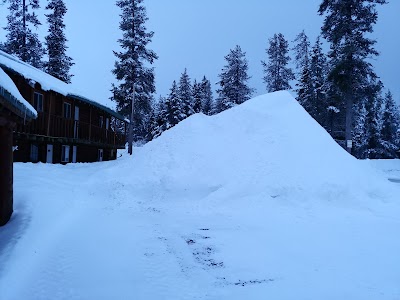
(59, 127)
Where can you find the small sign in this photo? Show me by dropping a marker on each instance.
(350, 144)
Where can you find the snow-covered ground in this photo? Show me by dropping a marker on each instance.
(255, 203)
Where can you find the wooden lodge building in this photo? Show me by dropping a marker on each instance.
(69, 127)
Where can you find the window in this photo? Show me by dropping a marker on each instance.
(34, 156)
(101, 121)
(38, 101)
(67, 110)
(65, 153)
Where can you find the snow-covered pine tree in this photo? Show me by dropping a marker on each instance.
(59, 63)
(301, 50)
(233, 81)
(207, 97)
(174, 108)
(359, 130)
(156, 122)
(185, 93)
(373, 105)
(277, 74)
(304, 86)
(389, 127)
(21, 40)
(318, 70)
(197, 97)
(346, 24)
(135, 77)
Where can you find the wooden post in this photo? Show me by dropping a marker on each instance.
(6, 174)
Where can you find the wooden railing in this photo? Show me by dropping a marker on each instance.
(59, 127)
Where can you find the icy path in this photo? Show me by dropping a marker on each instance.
(78, 238)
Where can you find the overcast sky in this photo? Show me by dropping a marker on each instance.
(197, 34)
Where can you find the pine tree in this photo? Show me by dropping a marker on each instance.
(277, 74)
(20, 39)
(136, 79)
(174, 109)
(389, 127)
(234, 88)
(185, 94)
(318, 72)
(345, 26)
(59, 63)
(359, 131)
(304, 87)
(157, 123)
(305, 92)
(302, 52)
(207, 97)
(373, 103)
(197, 97)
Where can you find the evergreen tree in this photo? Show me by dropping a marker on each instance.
(305, 92)
(302, 52)
(318, 78)
(20, 39)
(373, 103)
(135, 77)
(234, 88)
(305, 87)
(345, 26)
(359, 131)
(174, 109)
(389, 127)
(197, 97)
(277, 73)
(185, 94)
(59, 63)
(157, 123)
(207, 97)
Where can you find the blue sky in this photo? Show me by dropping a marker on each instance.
(196, 35)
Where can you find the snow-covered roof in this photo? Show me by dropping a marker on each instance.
(11, 94)
(48, 82)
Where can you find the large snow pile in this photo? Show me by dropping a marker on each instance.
(255, 203)
(268, 145)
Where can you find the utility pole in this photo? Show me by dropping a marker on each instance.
(130, 137)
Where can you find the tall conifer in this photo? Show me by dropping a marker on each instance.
(135, 77)
(346, 25)
(277, 74)
(21, 38)
(233, 81)
(59, 63)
